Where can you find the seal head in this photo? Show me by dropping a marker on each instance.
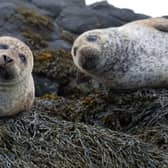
(16, 82)
(88, 50)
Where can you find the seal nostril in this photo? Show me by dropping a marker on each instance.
(4, 46)
(7, 59)
(75, 50)
(88, 62)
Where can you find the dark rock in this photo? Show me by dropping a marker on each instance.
(98, 15)
(45, 86)
(115, 16)
(56, 6)
(78, 20)
(111, 16)
(59, 44)
(6, 11)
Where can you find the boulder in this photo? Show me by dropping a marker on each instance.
(108, 12)
(78, 20)
(56, 6)
(99, 15)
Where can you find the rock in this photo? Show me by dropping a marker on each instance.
(75, 124)
(111, 16)
(7, 10)
(78, 20)
(28, 25)
(68, 36)
(45, 86)
(56, 6)
(99, 15)
(56, 65)
(60, 44)
(127, 112)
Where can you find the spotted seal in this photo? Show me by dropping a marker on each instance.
(16, 82)
(131, 56)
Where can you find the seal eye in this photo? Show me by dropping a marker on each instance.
(91, 38)
(22, 58)
(4, 46)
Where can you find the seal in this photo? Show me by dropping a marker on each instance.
(16, 82)
(131, 56)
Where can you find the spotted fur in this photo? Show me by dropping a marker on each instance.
(132, 56)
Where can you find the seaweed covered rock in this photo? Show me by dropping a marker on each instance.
(71, 124)
(127, 112)
(56, 65)
(31, 26)
(31, 22)
(35, 139)
(36, 29)
(156, 135)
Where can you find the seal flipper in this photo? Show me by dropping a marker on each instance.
(162, 28)
(160, 24)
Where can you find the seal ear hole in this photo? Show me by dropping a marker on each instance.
(75, 50)
(22, 58)
(4, 46)
(91, 38)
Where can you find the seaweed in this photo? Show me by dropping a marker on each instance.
(36, 139)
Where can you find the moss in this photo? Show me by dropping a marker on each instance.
(30, 17)
(55, 64)
(50, 96)
(34, 38)
(34, 27)
(43, 56)
(68, 36)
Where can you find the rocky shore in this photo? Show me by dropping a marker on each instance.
(75, 124)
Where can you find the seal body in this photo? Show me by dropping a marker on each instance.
(132, 56)
(16, 82)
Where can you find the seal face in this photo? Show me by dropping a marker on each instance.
(16, 82)
(132, 56)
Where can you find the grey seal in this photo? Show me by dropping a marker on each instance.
(131, 56)
(16, 82)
